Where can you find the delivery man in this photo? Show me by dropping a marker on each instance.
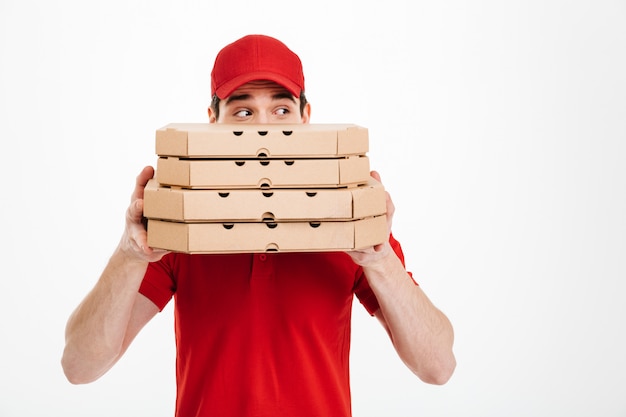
(257, 334)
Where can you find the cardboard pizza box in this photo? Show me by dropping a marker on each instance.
(217, 140)
(263, 173)
(172, 203)
(235, 237)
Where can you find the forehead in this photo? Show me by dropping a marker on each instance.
(261, 87)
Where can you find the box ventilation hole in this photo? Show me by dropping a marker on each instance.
(271, 247)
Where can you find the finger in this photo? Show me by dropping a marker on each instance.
(375, 175)
(150, 254)
(154, 254)
(140, 233)
(142, 179)
(391, 208)
(136, 231)
(135, 211)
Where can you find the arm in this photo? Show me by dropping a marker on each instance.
(103, 325)
(421, 334)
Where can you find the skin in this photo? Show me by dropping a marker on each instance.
(105, 323)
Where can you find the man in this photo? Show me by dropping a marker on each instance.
(256, 334)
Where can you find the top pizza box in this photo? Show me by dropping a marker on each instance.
(217, 140)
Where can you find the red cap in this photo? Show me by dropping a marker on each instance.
(252, 58)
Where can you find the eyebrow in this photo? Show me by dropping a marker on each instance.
(282, 95)
(277, 96)
(240, 97)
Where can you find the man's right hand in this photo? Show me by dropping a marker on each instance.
(134, 243)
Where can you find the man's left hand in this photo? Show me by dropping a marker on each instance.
(369, 256)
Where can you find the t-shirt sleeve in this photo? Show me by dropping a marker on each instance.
(363, 291)
(158, 283)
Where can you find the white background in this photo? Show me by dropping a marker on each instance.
(498, 127)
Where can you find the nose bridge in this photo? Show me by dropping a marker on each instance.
(263, 116)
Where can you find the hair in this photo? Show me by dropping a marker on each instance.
(215, 104)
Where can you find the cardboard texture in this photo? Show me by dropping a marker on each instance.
(274, 141)
(249, 205)
(256, 188)
(280, 173)
(199, 238)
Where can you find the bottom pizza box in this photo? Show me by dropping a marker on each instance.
(265, 236)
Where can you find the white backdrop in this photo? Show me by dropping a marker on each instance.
(498, 127)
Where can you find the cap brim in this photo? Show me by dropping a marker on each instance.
(229, 87)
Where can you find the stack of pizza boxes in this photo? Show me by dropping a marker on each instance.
(223, 188)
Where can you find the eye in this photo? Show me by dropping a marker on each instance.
(243, 113)
(282, 111)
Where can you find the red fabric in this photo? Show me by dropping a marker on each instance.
(256, 57)
(261, 334)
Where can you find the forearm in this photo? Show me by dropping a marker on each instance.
(96, 330)
(422, 335)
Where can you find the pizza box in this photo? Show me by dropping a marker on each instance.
(185, 205)
(263, 173)
(196, 238)
(217, 140)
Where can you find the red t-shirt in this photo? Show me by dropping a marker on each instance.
(261, 334)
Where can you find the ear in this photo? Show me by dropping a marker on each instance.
(212, 118)
(306, 113)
